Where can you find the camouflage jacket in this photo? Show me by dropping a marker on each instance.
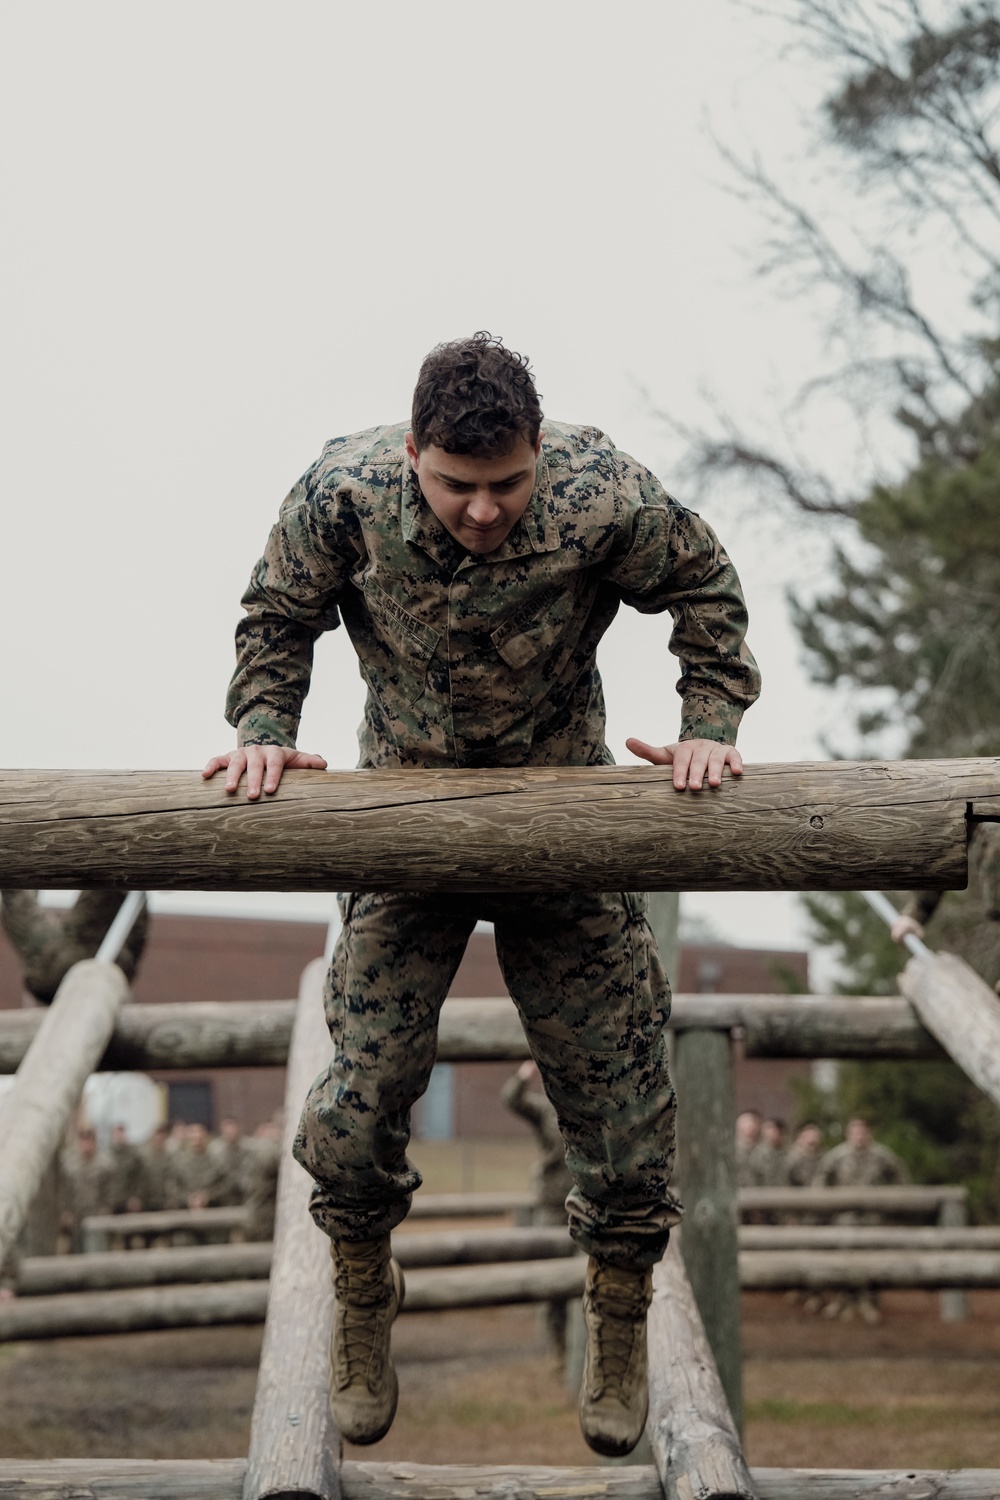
(485, 659)
(871, 1166)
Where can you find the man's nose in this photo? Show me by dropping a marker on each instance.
(482, 508)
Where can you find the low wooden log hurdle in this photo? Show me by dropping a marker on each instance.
(840, 826)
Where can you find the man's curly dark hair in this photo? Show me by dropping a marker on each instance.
(473, 396)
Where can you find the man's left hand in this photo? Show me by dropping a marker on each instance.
(692, 760)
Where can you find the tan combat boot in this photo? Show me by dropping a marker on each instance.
(614, 1399)
(368, 1286)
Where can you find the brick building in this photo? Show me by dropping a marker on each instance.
(226, 958)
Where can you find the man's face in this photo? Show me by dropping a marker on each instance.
(479, 500)
(858, 1134)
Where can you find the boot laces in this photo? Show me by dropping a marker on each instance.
(364, 1290)
(618, 1307)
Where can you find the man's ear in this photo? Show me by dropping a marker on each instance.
(538, 445)
(412, 452)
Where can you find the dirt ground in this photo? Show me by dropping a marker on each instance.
(478, 1387)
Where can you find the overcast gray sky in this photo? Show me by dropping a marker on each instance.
(233, 230)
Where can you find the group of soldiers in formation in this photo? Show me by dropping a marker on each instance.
(764, 1159)
(180, 1166)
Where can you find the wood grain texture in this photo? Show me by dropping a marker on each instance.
(110, 1270)
(781, 1270)
(694, 1442)
(295, 1447)
(706, 1180)
(961, 1010)
(802, 826)
(98, 1229)
(48, 1275)
(869, 1237)
(256, 1033)
(36, 1111)
(902, 1199)
(133, 1310)
(222, 1479)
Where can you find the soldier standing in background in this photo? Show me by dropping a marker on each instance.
(550, 1178)
(86, 1175)
(229, 1151)
(860, 1161)
(125, 1174)
(199, 1180)
(767, 1159)
(158, 1189)
(264, 1162)
(803, 1160)
(747, 1141)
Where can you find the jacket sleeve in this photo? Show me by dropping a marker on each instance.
(670, 559)
(292, 598)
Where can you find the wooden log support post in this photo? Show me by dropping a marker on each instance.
(807, 826)
(960, 1010)
(954, 1302)
(294, 1444)
(706, 1177)
(35, 1112)
(694, 1440)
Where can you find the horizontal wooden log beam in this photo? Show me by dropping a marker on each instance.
(109, 1270)
(809, 1237)
(255, 1033)
(181, 1306)
(891, 1199)
(135, 1309)
(48, 1275)
(782, 1270)
(222, 1479)
(804, 826)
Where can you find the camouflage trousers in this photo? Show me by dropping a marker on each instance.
(585, 974)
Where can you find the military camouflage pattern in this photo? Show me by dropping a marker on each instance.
(196, 1175)
(126, 1179)
(869, 1166)
(550, 1175)
(485, 659)
(802, 1167)
(594, 1000)
(490, 660)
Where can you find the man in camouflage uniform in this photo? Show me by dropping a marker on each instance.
(262, 1180)
(803, 1160)
(229, 1150)
(125, 1174)
(158, 1188)
(476, 563)
(859, 1161)
(198, 1181)
(86, 1175)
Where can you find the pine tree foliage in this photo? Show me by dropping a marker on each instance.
(909, 627)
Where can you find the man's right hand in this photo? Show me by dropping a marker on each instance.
(905, 927)
(263, 765)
